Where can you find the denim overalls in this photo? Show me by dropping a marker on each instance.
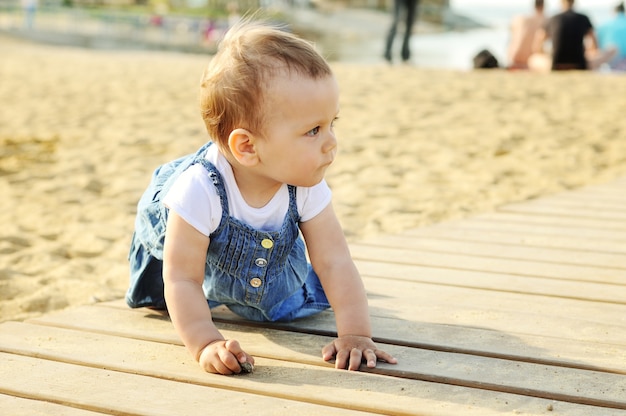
(260, 275)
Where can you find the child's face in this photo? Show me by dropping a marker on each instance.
(298, 141)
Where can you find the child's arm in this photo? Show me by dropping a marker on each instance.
(184, 261)
(342, 283)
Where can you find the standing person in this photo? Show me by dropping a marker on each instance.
(574, 42)
(30, 9)
(408, 9)
(612, 34)
(523, 31)
(222, 226)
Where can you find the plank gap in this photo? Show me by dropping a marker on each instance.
(382, 244)
(241, 388)
(65, 403)
(512, 217)
(460, 239)
(505, 290)
(559, 214)
(422, 346)
(607, 404)
(476, 269)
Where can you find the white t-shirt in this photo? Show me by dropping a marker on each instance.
(194, 197)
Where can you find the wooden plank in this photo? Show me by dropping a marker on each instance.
(421, 331)
(16, 406)
(427, 331)
(506, 341)
(414, 297)
(497, 250)
(495, 265)
(524, 225)
(614, 189)
(586, 202)
(613, 197)
(127, 355)
(115, 392)
(458, 400)
(327, 386)
(604, 324)
(172, 362)
(567, 289)
(536, 207)
(507, 312)
(611, 230)
(604, 186)
(505, 236)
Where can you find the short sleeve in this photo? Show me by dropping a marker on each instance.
(194, 198)
(311, 201)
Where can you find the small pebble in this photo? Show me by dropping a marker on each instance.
(246, 367)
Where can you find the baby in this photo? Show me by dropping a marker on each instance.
(224, 225)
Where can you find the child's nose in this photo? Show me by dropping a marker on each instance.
(330, 144)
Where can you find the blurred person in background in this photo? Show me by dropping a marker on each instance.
(574, 43)
(523, 31)
(612, 34)
(30, 8)
(408, 9)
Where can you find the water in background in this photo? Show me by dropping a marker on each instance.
(345, 34)
(455, 49)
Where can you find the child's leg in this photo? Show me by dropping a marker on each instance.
(540, 62)
(146, 278)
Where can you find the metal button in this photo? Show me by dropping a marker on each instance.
(261, 262)
(256, 282)
(267, 243)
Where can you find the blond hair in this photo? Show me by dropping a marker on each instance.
(250, 55)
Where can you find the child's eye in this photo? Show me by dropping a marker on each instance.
(313, 132)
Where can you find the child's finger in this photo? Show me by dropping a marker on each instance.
(229, 356)
(232, 345)
(221, 368)
(384, 356)
(342, 359)
(369, 356)
(356, 355)
(240, 355)
(329, 352)
(235, 349)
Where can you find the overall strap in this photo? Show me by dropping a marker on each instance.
(218, 181)
(293, 206)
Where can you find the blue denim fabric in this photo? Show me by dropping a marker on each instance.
(257, 280)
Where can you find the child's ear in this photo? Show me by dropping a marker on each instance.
(241, 144)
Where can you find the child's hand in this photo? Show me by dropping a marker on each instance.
(350, 350)
(223, 357)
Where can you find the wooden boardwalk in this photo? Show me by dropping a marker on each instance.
(520, 311)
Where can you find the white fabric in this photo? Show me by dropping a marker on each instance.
(194, 197)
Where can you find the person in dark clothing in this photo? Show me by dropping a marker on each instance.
(568, 31)
(574, 43)
(408, 8)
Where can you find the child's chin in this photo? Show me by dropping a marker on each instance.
(309, 183)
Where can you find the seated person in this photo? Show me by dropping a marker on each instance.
(574, 43)
(523, 31)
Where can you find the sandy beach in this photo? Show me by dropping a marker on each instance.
(82, 130)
